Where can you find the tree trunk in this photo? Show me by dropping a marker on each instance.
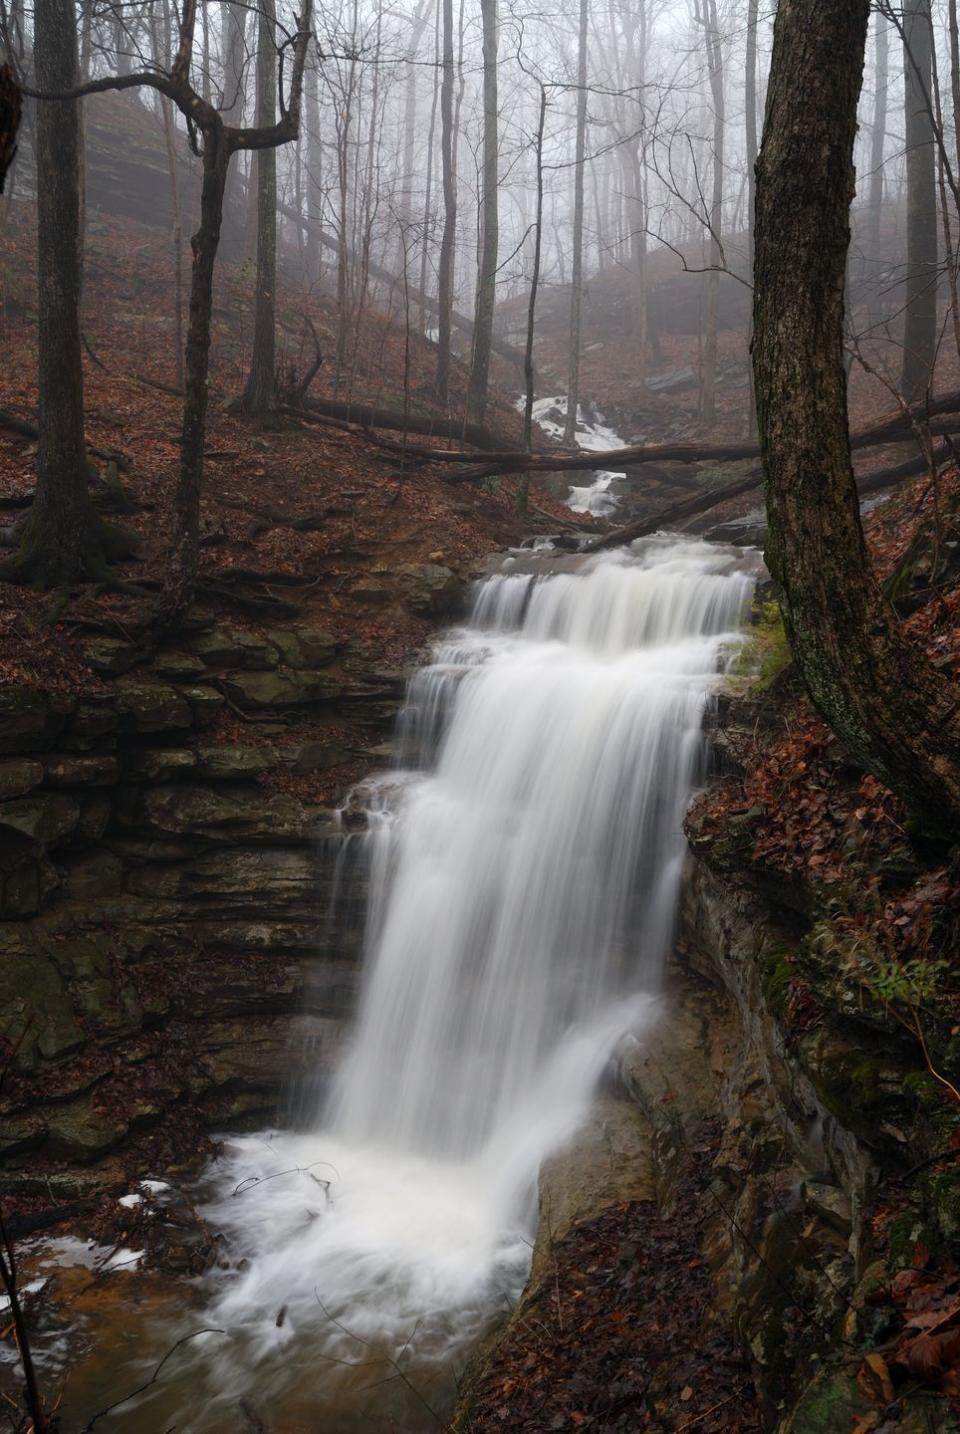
(445, 271)
(878, 136)
(920, 318)
(10, 106)
(714, 50)
(181, 576)
(523, 489)
(61, 540)
(314, 165)
(576, 279)
(487, 281)
(888, 706)
(260, 394)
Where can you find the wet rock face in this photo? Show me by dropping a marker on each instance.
(164, 891)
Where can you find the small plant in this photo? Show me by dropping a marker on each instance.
(903, 987)
(766, 652)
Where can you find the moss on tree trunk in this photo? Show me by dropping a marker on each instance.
(888, 705)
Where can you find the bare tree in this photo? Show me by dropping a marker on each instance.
(576, 278)
(490, 242)
(259, 398)
(920, 317)
(61, 541)
(445, 274)
(216, 143)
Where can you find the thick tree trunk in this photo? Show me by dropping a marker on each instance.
(61, 540)
(576, 279)
(448, 239)
(10, 106)
(920, 318)
(487, 281)
(889, 707)
(260, 394)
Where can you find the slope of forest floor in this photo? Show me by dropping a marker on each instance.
(307, 511)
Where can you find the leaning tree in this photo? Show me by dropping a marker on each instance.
(890, 707)
(215, 142)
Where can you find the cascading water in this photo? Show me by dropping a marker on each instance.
(524, 882)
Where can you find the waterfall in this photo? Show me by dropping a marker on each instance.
(525, 862)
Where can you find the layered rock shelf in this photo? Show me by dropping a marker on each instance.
(163, 899)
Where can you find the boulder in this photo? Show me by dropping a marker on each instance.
(304, 647)
(28, 717)
(157, 764)
(151, 706)
(18, 776)
(429, 589)
(206, 812)
(178, 666)
(95, 769)
(279, 691)
(232, 764)
(44, 818)
(111, 656)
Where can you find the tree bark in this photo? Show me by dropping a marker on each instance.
(523, 489)
(260, 394)
(878, 136)
(184, 557)
(576, 263)
(448, 238)
(889, 707)
(487, 280)
(714, 51)
(9, 120)
(920, 317)
(61, 540)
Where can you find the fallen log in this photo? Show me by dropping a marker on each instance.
(682, 512)
(14, 424)
(366, 415)
(892, 428)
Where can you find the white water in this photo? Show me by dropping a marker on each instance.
(524, 882)
(594, 497)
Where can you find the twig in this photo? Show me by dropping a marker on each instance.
(153, 1378)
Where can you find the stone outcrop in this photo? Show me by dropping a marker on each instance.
(163, 894)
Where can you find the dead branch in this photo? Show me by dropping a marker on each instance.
(102, 1413)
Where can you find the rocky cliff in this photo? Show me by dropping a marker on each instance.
(163, 898)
